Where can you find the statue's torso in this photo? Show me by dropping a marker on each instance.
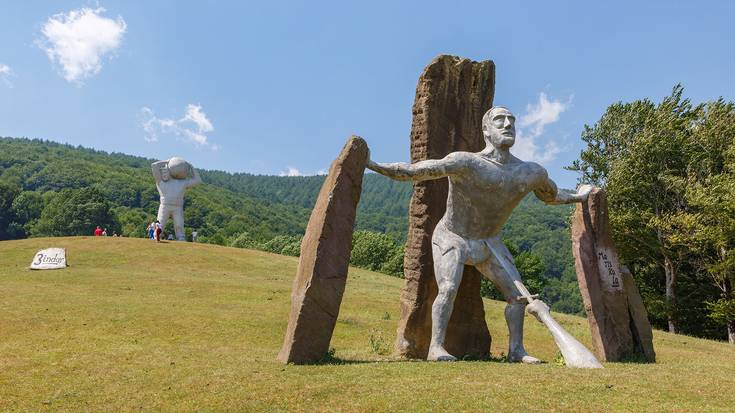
(482, 198)
(172, 191)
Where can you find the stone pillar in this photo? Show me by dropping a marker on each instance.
(618, 320)
(451, 97)
(325, 255)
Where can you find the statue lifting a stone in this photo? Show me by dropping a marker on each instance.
(484, 188)
(173, 177)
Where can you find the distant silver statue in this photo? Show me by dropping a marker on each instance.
(484, 188)
(173, 177)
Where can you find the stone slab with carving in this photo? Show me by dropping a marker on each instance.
(615, 311)
(325, 254)
(49, 259)
(451, 97)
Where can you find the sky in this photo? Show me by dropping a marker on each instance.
(276, 87)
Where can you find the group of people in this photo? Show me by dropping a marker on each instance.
(99, 232)
(154, 230)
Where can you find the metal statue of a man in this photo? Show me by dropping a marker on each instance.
(484, 188)
(173, 177)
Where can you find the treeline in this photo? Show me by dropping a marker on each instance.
(370, 250)
(669, 172)
(52, 189)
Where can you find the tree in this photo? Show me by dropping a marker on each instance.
(529, 266)
(75, 212)
(707, 228)
(370, 250)
(8, 192)
(669, 173)
(635, 152)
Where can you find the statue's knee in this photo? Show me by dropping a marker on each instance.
(516, 303)
(447, 291)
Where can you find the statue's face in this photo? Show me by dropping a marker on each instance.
(500, 128)
(165, 174)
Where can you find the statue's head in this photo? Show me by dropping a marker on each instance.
(165, 173)
(499, 127)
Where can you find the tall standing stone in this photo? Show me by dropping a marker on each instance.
(451, 97)
(615, 312)
(325, 254)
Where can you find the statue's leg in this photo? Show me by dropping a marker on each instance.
(448, 269)
(163, 214)
(178, 214)
(500, 269)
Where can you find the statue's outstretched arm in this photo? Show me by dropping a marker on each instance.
(419, 171)
(549, 193)
(156, 169)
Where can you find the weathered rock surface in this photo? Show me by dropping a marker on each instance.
(325, 255)
(614, 307)
(640, 326)
(451, 97)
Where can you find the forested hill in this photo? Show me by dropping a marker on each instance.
(383, 204)
(41, 179)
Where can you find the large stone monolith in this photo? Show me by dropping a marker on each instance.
(615, 312)
(451, 97)
(325, 255)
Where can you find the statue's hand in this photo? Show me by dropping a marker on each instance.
(584, 191)
(537, 307)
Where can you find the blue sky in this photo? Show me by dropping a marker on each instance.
(272, 87)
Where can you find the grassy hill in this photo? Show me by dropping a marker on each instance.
(134, 325)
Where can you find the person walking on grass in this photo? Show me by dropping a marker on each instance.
(158, 231)
(98, 231)
(151, 229)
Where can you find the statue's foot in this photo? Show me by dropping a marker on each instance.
(439, 354)
(523, 357)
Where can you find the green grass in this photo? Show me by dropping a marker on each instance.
(132, 325)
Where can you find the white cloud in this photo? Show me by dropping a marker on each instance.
(5, 73)
(193, 126)
(291, 171)
(531, 126)
(79, 39)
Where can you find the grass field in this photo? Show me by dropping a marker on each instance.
(136, 326)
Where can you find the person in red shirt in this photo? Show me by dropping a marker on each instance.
(98, 232)
(159, 230)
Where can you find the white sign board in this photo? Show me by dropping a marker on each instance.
(49, 259)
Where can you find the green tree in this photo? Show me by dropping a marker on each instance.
(530, 267)
(133, 221)
(8, 192)
(635, 152)
(707, 227)
(243, 240)
(393, 265)
(76, 212)
(370, 250)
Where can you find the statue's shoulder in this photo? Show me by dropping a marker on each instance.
(460, 160)
(534, 169)
(461, 155)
